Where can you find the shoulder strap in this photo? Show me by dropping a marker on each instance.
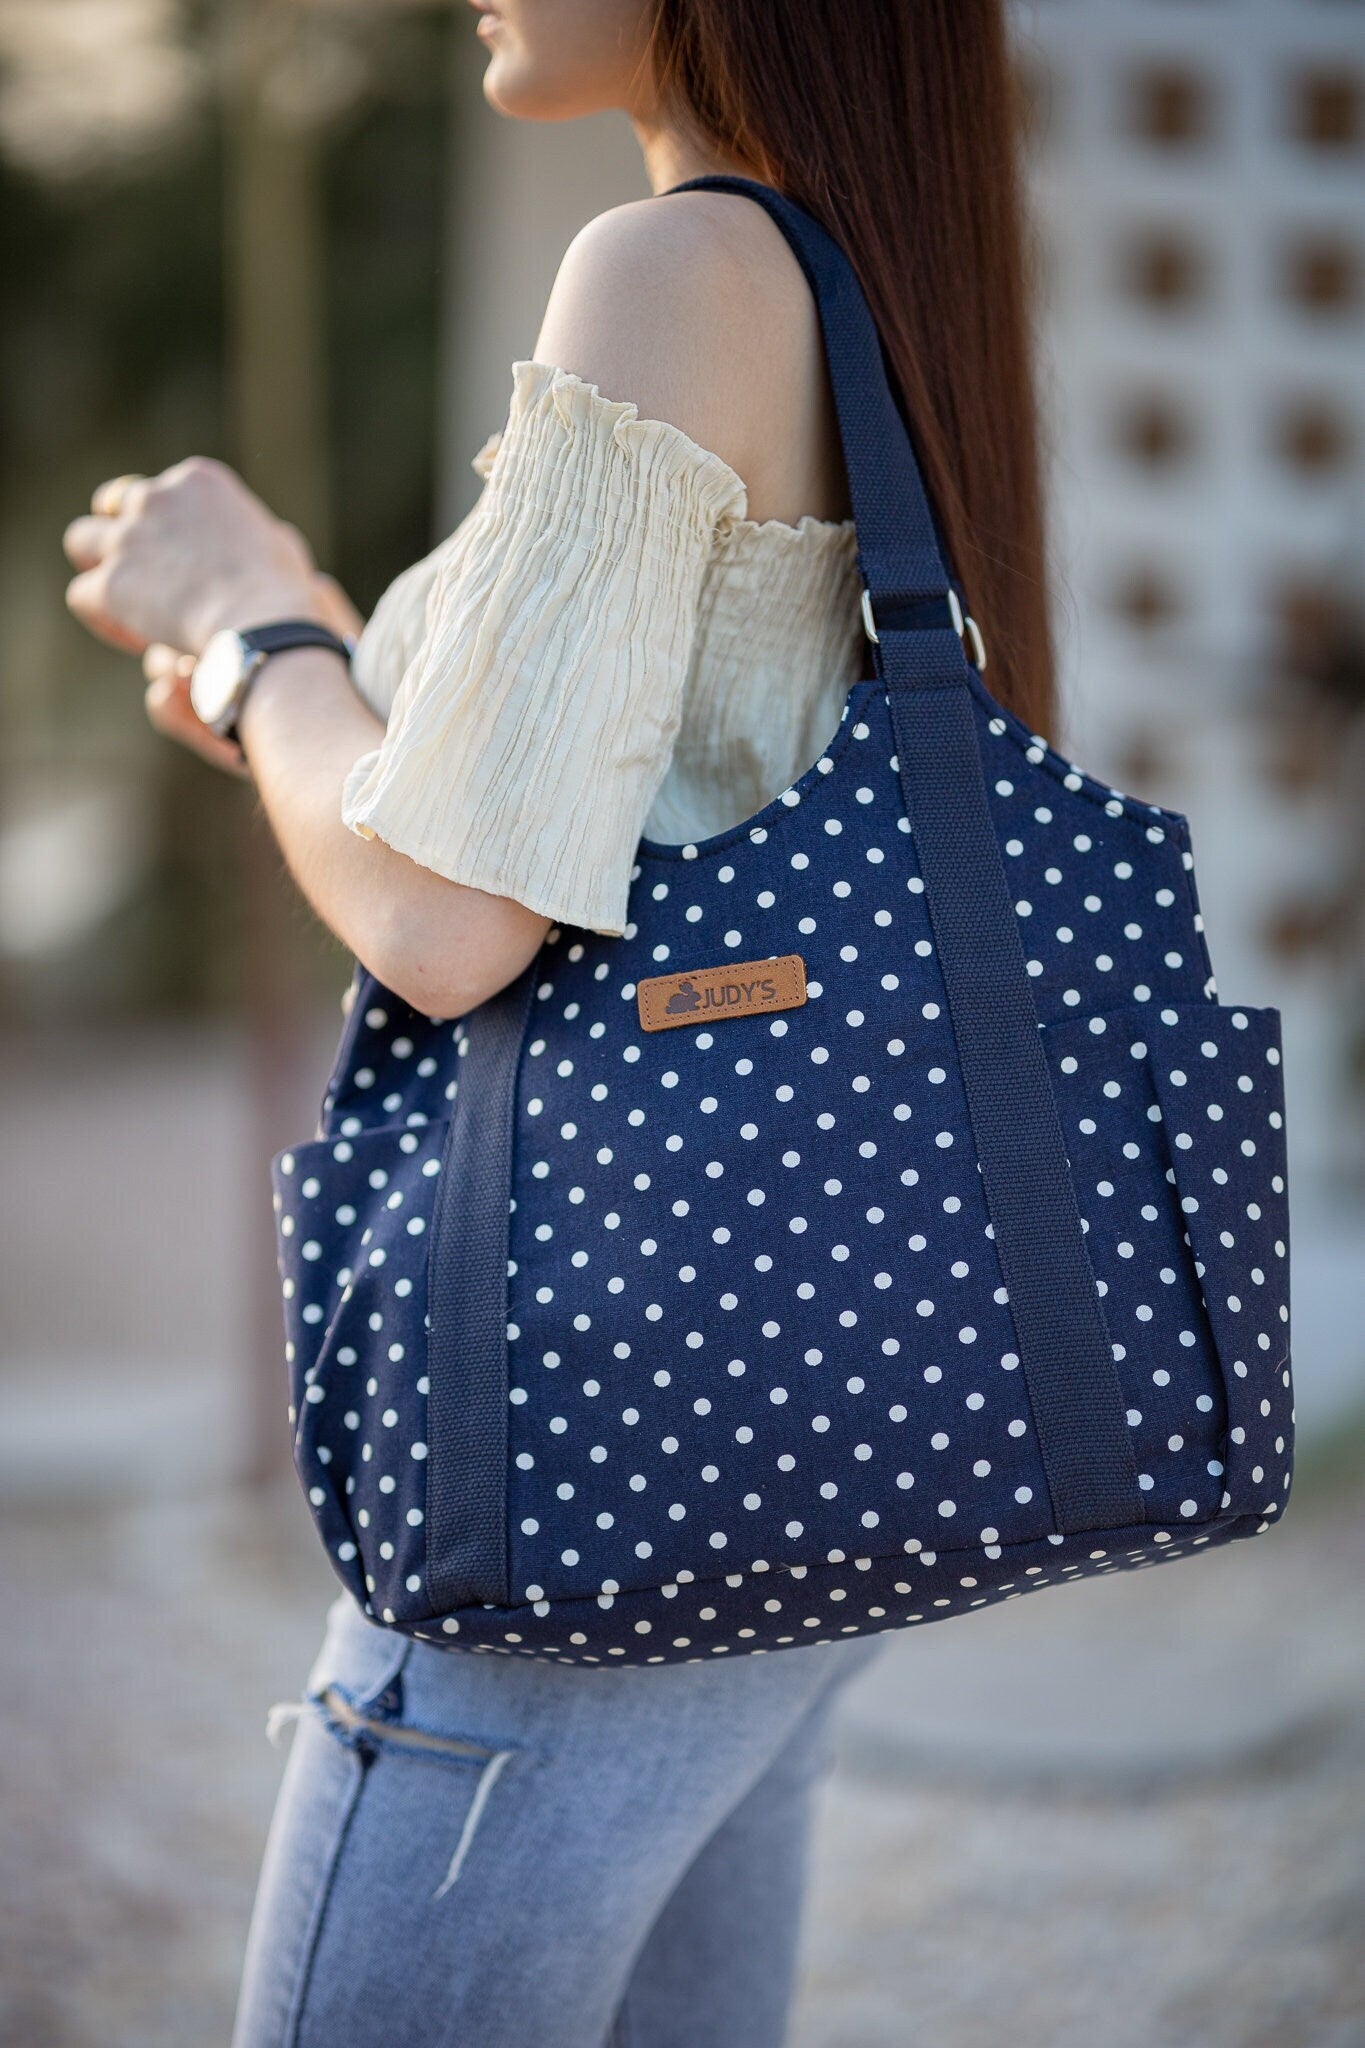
(1064, 1346)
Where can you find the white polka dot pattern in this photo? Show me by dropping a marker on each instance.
(763, 1383)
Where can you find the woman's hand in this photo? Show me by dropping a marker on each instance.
(168, 672)
(167, 700)
(165, 562)
(171, 558)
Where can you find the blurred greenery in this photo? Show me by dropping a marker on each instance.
(114, 357)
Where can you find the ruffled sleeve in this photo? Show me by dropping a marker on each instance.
(537, 715)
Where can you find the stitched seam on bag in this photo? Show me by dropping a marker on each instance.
(1139, 1535)
(1059, 767)
(352, 1026)
(1185, 1007)
(1186, 844)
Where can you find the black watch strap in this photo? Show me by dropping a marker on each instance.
(278, 637)
(282, 634)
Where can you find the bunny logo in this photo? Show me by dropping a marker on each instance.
(684, 997)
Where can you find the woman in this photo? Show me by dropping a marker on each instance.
(648, 623)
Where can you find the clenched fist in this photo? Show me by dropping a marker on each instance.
(171, 558)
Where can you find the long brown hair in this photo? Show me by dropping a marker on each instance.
(894, 123)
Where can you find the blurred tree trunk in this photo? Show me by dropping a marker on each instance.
(276, 385)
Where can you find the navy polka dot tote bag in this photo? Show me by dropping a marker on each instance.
(891, 1222)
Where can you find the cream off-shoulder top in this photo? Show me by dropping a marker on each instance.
(607, 646)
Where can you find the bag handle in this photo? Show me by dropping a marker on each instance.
(1064, 1346)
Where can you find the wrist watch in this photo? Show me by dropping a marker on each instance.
(231, 661)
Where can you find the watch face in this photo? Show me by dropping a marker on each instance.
(218, 677)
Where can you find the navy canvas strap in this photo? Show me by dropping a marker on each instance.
(1064, 1346)
(466, 1467)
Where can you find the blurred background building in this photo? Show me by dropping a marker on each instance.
(289, 232)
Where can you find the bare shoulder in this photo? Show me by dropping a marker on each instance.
(707, 239)
(694, 308)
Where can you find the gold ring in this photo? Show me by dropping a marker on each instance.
(108, 497)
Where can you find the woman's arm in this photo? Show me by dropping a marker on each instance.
(442, 946)
(192, 551)
(667, 304)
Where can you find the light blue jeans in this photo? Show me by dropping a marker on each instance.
(485, 1852)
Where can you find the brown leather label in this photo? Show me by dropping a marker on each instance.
(708, 995)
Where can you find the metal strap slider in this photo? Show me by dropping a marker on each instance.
(964, 626)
